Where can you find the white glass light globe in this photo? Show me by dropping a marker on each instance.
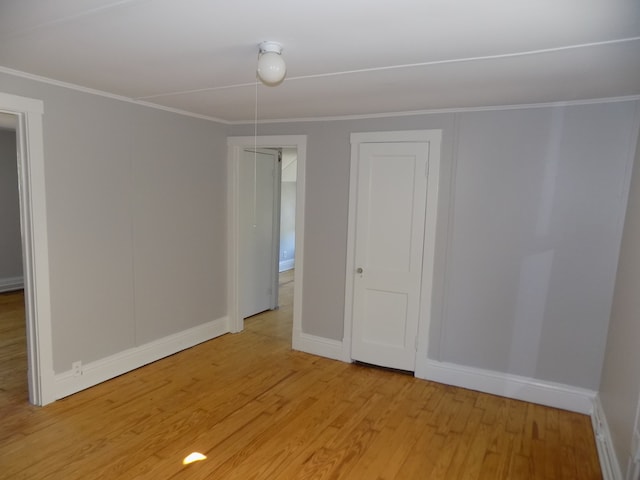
(271, 68)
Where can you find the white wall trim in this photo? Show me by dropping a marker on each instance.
(606, 452)
(10, 284)
(528, 389)
(439, 111)
(102, 93)
(324, 347)
(104, 369)
(286, 265)
(435, 111)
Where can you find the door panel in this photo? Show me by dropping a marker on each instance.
(257, 247)
(390, 217)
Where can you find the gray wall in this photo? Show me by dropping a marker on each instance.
(326, 208)
(136, 204)
(538, 207)
(10, 240)
(620, 386)
(528, 236)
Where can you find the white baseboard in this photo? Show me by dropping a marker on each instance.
(528, 389)
(104, 369)
(323, 347)
(606, 453)
(286, 265)
(10, 284)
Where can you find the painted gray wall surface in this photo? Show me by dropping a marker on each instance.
(10, 240)
(529, 227)
(528, 232)
(136, 204)
(287, 221)
(326, 208)
(538, 207)
(620, 385)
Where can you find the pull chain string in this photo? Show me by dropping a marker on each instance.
(255, 157)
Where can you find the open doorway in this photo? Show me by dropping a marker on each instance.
(13, 329)
(27, 113)
(236, 149)
(267, 180)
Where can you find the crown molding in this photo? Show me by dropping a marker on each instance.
(437, 111)
(101, 93)
(91, 91)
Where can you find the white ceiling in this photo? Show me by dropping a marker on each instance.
(344, 57)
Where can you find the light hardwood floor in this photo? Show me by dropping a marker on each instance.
(259, 410)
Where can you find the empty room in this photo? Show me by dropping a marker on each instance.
(355, 240)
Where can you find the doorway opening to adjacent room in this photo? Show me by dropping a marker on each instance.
(254, 214)
(33, 220)
(13, 336)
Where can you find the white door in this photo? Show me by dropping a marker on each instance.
(259, 230)
(390, 220)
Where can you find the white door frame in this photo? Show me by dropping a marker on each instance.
(35, 246)
(434, 138)
(235, 145)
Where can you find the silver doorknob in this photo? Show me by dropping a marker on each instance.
(359, 270)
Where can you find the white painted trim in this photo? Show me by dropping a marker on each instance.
(434, 139)
(351, 255)
(429, 248)
(234, 292)
(110, 367)
(635, 444)
(606, 452)
(10, 284)
(35, 244)
(102, 93)
(528, 389)
(439, 111)
(324, 347)
(286, 265)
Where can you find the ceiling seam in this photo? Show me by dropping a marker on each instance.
(70, 18)
(398, 67)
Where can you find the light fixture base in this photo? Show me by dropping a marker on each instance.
(270, 47)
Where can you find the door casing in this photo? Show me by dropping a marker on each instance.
(434, 138)
(35, 245)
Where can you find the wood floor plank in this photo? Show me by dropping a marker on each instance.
(423, 455)
(553, 461)
(259, 410)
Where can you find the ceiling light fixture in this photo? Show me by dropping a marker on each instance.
(271, 66)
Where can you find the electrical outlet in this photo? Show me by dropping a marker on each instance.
(76, 369)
